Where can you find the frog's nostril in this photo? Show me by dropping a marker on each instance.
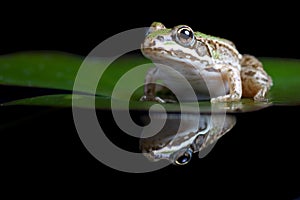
(160, 38)
(149, 30)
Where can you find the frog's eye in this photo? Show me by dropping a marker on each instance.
(183, 157)
(185, 36)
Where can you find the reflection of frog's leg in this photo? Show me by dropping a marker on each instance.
(255, 81)
(149, 88)
(232, 76)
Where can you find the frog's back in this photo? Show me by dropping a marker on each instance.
(210, 37)
(221, 50)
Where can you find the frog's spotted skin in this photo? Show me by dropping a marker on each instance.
(256, 82)
(203, 60)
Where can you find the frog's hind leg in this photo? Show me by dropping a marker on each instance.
(255, 81)
(232, 76)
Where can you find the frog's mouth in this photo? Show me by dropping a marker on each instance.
(184, 63)
(157, 52)
(160, 54)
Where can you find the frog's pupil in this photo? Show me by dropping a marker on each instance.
(185, 158)
(185, 34)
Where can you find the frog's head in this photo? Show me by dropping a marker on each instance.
(176, 44)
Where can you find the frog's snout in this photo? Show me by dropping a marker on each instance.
(148, 31)
(154, 27)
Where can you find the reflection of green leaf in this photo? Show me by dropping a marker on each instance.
(58, 71)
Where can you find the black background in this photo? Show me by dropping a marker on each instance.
(258, 158)
(263, 30)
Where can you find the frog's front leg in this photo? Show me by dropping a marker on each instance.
(150, 86)
(233, 78)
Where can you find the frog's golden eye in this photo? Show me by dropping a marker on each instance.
(185, 36)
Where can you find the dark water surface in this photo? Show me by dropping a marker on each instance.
(259, 156)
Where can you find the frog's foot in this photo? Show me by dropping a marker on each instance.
(152, 98)
(261, 95)
(255, 81)
(226, 98)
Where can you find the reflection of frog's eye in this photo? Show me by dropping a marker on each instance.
(184, 157)
(185, 36)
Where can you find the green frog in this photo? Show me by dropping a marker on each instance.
(203, 60)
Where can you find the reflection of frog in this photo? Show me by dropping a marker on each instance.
(196, 55)
(195, 135)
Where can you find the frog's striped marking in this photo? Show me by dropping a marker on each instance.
(213, 44)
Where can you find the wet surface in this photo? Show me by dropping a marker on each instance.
(262, 148)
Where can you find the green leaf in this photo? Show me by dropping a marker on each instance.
(286, 80)
(55, 70)
(58, 70)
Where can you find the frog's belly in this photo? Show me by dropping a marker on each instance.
(205, 86)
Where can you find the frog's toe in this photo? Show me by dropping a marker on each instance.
(260, 98)
(261, 95)
(159, 100)
(217, 99)
(226, 98)
(152, 98)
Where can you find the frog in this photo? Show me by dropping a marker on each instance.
(202, 59)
